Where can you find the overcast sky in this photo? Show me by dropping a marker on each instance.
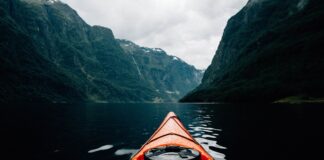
(189, 29)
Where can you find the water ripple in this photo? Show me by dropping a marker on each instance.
(102, 148)
(206, 135)
(122, 152)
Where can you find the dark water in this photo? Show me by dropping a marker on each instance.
(115, 131)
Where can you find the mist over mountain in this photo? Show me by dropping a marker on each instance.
(271, 50)
(49, 54)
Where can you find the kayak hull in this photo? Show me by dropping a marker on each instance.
(171, 133)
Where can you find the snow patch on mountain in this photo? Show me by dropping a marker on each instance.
(175, 58)
(157, 49)
(52, 1)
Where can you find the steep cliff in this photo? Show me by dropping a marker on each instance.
(170, 77)
(270, 50)
(49, 53)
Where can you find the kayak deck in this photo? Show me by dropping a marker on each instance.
(171, 133)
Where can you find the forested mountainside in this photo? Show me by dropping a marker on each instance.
(49, 54)
(169, 75)
(271, 50)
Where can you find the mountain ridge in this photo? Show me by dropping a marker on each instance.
(171, 73)
(96, 68)
(269, 50)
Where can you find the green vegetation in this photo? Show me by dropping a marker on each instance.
(49, 54)
(171, 77)
(270, 50)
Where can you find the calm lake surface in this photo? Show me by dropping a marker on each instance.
(115, 131)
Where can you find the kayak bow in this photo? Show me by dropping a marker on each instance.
(171, 139)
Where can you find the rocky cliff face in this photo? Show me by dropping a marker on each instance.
(270, 50)
(57, 57)
(170, 77)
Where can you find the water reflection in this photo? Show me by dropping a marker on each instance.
(199, 123)
(73, 131)
(102, 148)
(204, 133)
(122, 152)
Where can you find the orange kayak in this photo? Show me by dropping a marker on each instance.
(171, 141)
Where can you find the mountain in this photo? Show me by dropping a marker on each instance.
(48, 53)
(270, 50)
(171, 77)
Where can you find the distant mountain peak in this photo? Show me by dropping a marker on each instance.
(63, 59)
(130, 47)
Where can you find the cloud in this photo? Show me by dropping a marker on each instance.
(189, 29)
